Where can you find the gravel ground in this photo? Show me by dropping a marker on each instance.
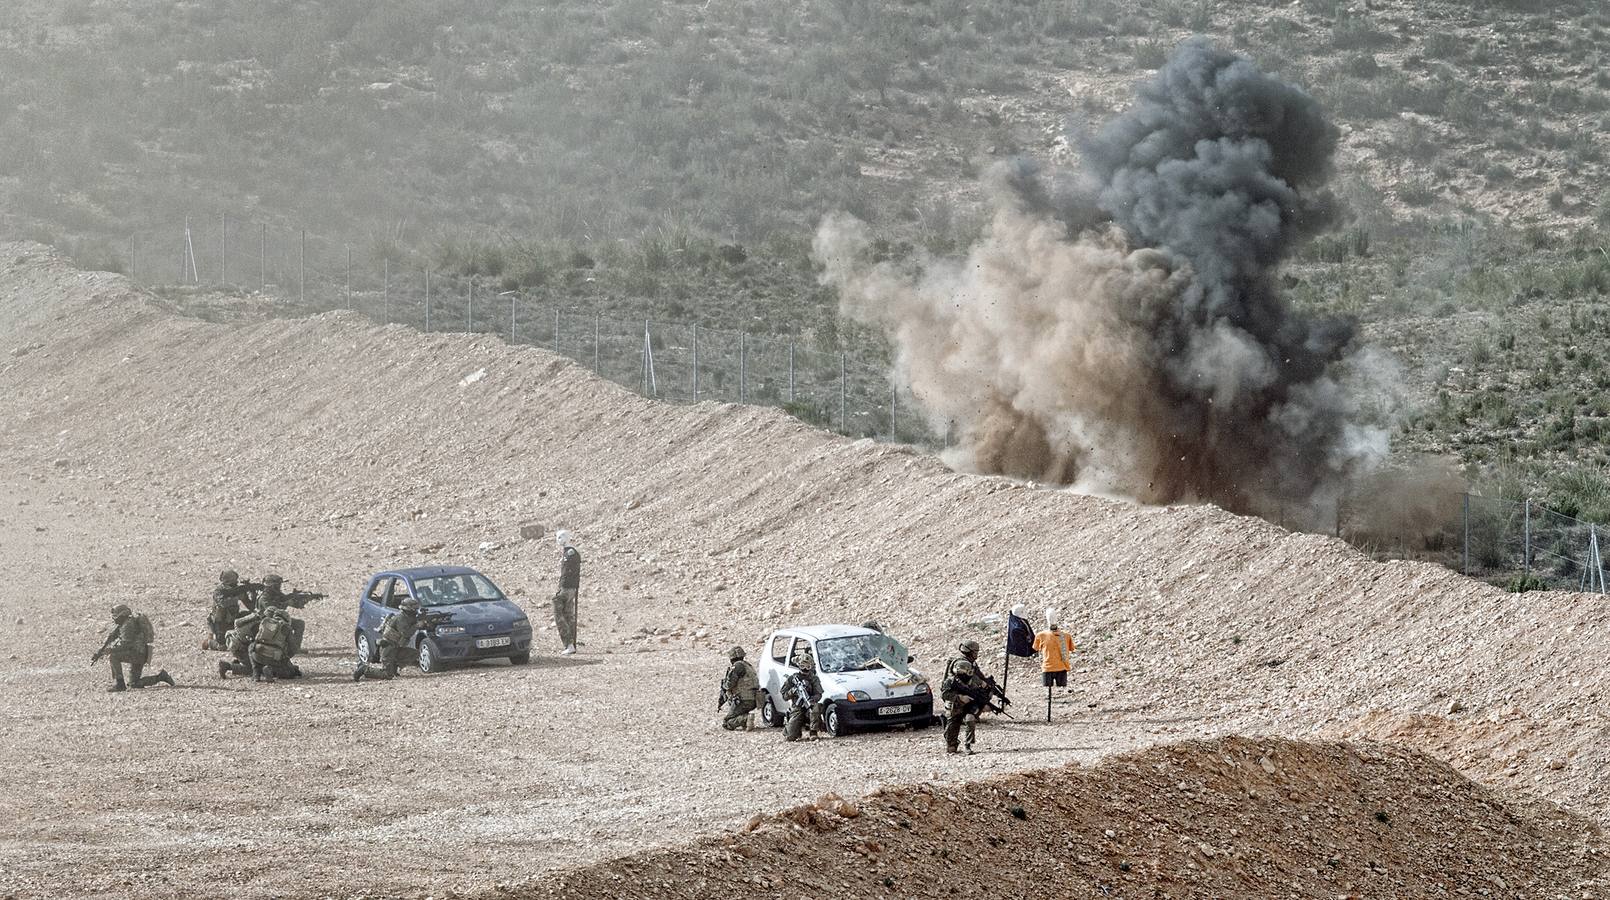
(141, 451)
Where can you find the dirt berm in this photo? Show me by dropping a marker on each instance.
(1228, 818)
(142, 450)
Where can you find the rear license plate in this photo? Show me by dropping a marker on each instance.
(484, 643)
(895, 710)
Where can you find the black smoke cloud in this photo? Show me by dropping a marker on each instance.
(1120, 328)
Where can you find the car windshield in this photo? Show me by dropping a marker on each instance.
(861, 651)
(446, 590)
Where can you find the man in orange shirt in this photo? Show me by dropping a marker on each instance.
(1056, 649)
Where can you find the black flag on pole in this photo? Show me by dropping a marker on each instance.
(1019, 636)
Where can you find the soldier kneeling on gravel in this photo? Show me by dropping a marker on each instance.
(803, 691)
(395, 633)
(271, 648)
(130, 642)
(738, 691)
(239, 644)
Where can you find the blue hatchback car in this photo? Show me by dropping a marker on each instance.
(473, 619)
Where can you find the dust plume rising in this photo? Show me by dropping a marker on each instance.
(1120, 328)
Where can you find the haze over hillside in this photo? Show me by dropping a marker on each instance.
(672, 160)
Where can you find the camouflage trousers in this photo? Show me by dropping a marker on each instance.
(222, 621)
(136, 663)
(794, 724)
(959, 714)
(564, 615)
(391, 657)
(736, 715)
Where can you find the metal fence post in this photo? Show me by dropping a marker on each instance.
(1526, 538)
(556, 329)
(743, 367)
(595, 343)
(469, 311)
(1467, 532)
(223, 253)
(791, 397)
(844, 420)
(301, 268)
(262, 258)
(894, 408)
(513, 299)
(385, 289)
(427, 299)
(695, 362)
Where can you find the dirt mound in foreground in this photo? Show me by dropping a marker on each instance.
(1235, 817)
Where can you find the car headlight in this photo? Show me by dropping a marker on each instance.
(857, 696)
(521, 623)
(921, 688)
(449, 629)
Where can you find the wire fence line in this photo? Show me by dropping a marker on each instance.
(848, 389)
(1530, 545)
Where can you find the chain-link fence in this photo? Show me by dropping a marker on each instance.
(1529, 546)
(845, 388)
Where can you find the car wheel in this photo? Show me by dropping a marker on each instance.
(769, 716)
(520, 659)
(836, 726)
(429, 657)
(366, 651)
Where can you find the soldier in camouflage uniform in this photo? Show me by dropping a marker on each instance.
(803, 691)
(395, 635)
(130, 643)
(228, 602)
(271, 647)
(239, 644)
(273, 595)
(739, 689)
(961, 709)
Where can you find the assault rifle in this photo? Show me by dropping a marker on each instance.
(96, 656)
(426, 621)
(721, 700)
(985, 697)
(300, 599)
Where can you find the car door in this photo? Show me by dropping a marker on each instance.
(372, 606)
(778, 651)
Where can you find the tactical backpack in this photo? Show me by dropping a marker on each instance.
(148, 635)
(748, 685)
(947, 687)
(273, 635)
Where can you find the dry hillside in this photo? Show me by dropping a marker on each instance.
(140, 451)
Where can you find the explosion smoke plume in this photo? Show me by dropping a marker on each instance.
(1120, 329)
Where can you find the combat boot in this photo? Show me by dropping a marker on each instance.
(223, 669)
(165, 678)
(359, 670)
(117, 686)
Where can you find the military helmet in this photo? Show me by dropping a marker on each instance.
(273, 578)
(969, 649)
(229, 576)
(735, 653)
(121, 610)
(872, 625)
(410, 603)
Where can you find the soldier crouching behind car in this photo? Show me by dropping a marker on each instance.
(738, 689)
(395, 633)
(803, 691)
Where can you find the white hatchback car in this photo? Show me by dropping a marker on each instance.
(867, 679)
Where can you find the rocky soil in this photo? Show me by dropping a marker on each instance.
(141, 451)
(1229, 818)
